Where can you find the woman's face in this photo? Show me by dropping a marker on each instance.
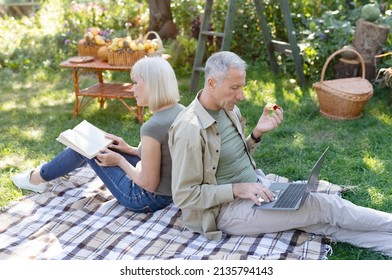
(139, 91)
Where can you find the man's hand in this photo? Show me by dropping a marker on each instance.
(253, 191)
(268, 121)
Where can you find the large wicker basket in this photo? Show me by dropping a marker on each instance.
(343, 99)
(124, 57)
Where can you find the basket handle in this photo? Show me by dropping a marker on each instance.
(155, 33)
(382, 55)
(379, 56)
(338, 52)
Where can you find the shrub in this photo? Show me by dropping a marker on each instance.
(52, 34)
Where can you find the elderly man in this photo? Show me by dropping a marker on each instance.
(214, 178)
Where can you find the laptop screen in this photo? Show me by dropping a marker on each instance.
(316, 170)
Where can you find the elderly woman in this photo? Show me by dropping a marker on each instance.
(138, 177)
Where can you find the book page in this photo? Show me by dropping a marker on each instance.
(85, 139)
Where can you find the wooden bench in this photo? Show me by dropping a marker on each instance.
(102, 91)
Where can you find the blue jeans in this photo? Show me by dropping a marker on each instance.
(116, 180)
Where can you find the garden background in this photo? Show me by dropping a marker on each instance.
(36, 95)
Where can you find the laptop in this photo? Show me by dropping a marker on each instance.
(290, 196)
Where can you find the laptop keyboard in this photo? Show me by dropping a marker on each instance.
(290, 196)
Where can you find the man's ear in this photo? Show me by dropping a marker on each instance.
(211, 82)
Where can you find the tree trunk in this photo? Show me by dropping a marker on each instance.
(369, 39)
(347, 68)
(161, 19)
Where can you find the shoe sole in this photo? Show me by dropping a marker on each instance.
(31, 189)
(28, 188)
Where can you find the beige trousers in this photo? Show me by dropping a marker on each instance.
(321, 213)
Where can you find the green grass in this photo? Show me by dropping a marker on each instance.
(34, 109)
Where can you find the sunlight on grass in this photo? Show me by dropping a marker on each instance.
(299, 140)
(48, 100)
(375, 196)
(35, 103)
(42, 98)
(259, 92)
(21, 161)
(8, 195)
(10, 106)
(31, 133)
(18, 86)
(374, 164)
(8, 161)
(293, 95)
(384, 117)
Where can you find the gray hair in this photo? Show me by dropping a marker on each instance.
(219, 64)
(160, 81)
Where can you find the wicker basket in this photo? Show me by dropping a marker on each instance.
(124, 57)
(160, 49)
(343, 99)
(85, 49)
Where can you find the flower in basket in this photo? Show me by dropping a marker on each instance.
(92, 41)
(95, 36)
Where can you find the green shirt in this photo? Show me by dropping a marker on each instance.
(234, 165)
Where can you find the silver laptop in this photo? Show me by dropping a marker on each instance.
(290, 196)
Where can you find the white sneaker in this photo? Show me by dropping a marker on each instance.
(22, 181)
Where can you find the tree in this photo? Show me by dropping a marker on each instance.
(161, 19)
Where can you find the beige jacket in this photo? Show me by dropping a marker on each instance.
(194, 144)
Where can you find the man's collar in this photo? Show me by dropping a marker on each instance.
(205, 118)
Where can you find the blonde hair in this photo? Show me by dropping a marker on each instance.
(160, 81)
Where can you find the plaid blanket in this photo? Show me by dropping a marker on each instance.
(80, 219)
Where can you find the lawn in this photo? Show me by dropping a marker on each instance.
(34, 109)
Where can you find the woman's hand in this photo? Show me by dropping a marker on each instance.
(108, 157)
(119, 144)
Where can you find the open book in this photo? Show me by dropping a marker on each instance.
(85, 138)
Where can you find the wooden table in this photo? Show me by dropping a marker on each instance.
(102, 91)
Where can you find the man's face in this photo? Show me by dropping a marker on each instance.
(230, 91)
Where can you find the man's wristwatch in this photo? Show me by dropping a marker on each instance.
(257, 140)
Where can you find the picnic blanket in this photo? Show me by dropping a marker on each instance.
(80, 219)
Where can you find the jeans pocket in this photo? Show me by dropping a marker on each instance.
(149, 203)
(160, 201)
